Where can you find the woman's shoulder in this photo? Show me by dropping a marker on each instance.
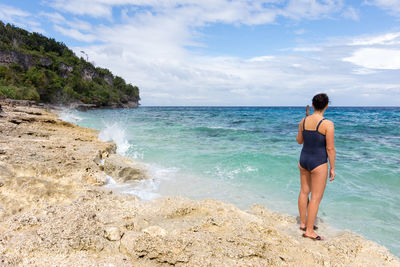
(328, 123)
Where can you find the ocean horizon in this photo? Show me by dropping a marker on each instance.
(266, 106)
(248, 155)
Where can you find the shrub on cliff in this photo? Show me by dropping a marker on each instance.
(19, 92)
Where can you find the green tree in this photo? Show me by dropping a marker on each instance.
(55, 82)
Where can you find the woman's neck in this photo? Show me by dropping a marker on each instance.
(320, 113)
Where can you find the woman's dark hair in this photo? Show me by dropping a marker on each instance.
(320, 101)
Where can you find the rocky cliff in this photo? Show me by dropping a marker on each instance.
(27, 61)
(35, 67)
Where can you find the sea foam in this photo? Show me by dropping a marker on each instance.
(144, 189)
(69, 116)
(116, 133)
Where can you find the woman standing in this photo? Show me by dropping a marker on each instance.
(317, 136)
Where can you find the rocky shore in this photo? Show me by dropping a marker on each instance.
(55, 212)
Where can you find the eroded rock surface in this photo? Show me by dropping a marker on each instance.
(123, 170)
(54, 213)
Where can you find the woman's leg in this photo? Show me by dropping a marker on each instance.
(318, 183)
(305, 188)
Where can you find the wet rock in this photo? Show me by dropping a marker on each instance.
(130, 104)
(123, 169)
(85, 107)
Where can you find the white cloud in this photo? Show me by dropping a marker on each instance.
(17, 17)
(149, 48)
(199, 12)
(74, 23)
(190, 79)
(75, 34)
(376, 58)
(20, 18)
(248, 12)
(54, 17)
(307, 49)
(300, 9)
(364, 71)
(262, 59)
(392, 6)
(383, 39)
(94, 8)
(351, 13)
(9, 13)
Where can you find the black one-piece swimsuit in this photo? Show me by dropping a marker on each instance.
(314, 152)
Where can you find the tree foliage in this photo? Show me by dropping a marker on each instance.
(51, 72)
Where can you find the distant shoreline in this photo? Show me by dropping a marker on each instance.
(333, 107)
(85, 107)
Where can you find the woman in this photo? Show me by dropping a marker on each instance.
(317, 136)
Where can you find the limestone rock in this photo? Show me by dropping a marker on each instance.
(46, 62)
(155, 231)
(123, 169)
(65, 70)
(95, 178)
(130, 104)
(113, 233)
(89, 73)
(8, 57)
(109, 79)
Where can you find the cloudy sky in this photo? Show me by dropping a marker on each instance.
(232, 52)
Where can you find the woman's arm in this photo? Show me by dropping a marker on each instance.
(330, 149)
(300, 133)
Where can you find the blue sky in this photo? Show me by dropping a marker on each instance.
(232, 52)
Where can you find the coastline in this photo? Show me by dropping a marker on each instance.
(55, 212)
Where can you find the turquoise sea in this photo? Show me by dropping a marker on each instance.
(248, 155)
